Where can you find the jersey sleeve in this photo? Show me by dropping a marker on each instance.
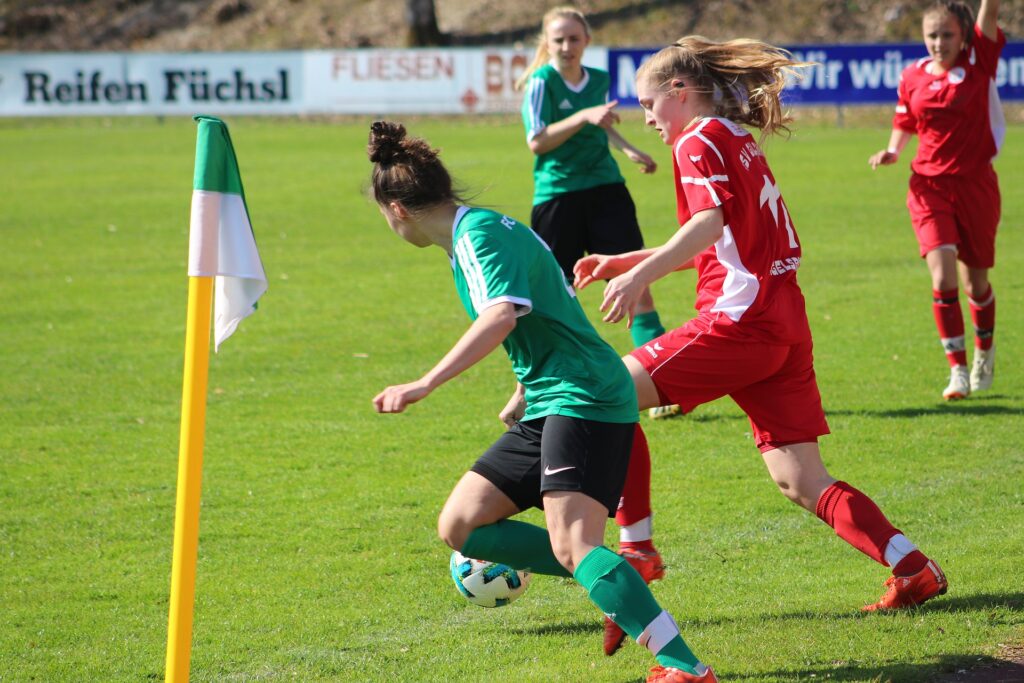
(493, 270)
(903, 118)
(987, 51)
(536, 108)
(703, 174)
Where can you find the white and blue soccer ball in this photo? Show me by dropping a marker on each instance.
(488, 584)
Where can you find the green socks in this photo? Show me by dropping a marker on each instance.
(613, 585)
(517, 544)
(622, 595)
(646, 326)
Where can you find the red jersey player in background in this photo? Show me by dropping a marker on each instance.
(949, 99)
(751, 339)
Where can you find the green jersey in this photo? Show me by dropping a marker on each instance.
(557, 355)
(584, 160)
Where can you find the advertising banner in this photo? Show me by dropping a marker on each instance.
(130, 83)
(842, 74)
(380, 82)
(442, 81)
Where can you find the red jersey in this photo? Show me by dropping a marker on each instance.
(956, 115)
(746, 281)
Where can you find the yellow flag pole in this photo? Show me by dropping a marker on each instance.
(190, 474)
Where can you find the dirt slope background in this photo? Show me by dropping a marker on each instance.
(170, 25)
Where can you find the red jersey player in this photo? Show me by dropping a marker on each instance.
(949, 100)
(751, 339)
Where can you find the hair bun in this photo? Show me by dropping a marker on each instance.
(386, 140)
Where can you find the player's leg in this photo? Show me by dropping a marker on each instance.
(933, 216)
(982, 300)
(635, 520)
(588, 462)
(502, 482)
(978, 214)
(949, 319)
(785, 412)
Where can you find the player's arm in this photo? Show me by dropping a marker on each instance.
(483, 336)
(554, 134)
(988, 18)
(593, 267)
(515, 408)
(637, 156)
(898, 139)
(622, 293)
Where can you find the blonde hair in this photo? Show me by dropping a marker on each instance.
(541, 56)
(742, 78)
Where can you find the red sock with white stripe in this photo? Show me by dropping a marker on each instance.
(634, 513)
(950, 321)
(983, 315)
(858, 521)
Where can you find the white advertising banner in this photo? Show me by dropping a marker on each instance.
(371, 81)
(135, 83)
(442, 81)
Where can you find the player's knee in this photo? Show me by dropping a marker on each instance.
(563, 551)
(453, 530)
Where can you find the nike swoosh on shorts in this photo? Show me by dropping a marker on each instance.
(548, 471)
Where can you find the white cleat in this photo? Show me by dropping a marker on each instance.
(959, 384)
(663, 412)
(983, 369)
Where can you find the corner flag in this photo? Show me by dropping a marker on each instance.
(221, 242)
(221, 247)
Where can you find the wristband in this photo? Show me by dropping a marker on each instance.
(892, 150)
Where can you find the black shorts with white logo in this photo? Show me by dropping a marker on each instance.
(559, 453)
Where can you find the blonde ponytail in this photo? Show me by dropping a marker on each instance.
(743, 79)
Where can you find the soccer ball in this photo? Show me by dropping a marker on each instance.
(488, 584)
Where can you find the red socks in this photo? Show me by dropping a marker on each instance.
(983, 315)
(950, 321)
(858, 521)
(635, 504)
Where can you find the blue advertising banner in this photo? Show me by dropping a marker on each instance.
(842, 75)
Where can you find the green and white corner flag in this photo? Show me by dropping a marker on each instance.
(221, 241)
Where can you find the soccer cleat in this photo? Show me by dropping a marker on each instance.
(908, 591)
(983, 369)
(668, 674)
(663, 412)
(649, 566)
(959, 384)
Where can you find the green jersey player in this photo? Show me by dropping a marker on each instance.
(569, 450)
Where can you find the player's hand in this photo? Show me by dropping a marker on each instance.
(883, 158)
(621, 296)
(647, 163)
(514, 410)
(602, 115)
(594, 267)
(394, 399)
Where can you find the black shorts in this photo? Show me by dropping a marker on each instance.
(599, 220)
(559, 453)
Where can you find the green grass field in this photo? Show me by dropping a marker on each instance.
(318, 557)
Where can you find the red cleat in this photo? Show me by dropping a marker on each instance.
(908, 591)
(668, 674)
(649, 566)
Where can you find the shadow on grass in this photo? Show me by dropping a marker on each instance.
(882, 673)
(1003, 671)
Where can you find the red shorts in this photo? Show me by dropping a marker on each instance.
(773, 384)
(962, 211)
